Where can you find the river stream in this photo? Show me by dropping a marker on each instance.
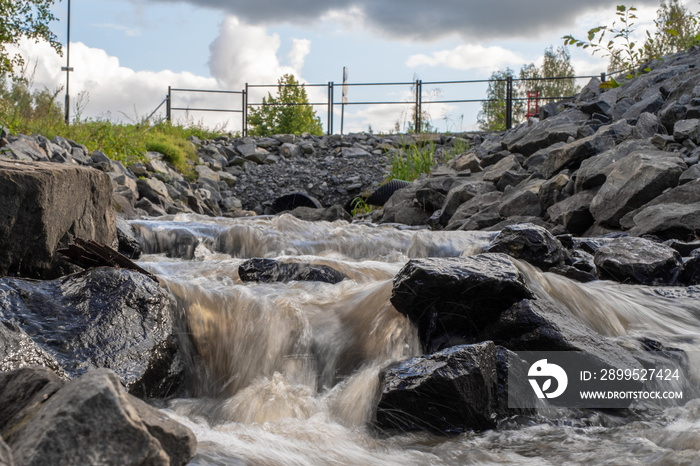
(287, 373)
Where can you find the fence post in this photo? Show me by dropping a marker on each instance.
(168, 104)
(509, 102)
(419, 105)
(330, 108)
(245, 112)
(602, 77)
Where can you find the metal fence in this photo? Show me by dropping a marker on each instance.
(331, 103)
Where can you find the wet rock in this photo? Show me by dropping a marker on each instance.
(634, 181)
(97, 319)
(270, 270)
(448, 392)
(128, 244)
(451, 299)
(540, 325)
(93, 420)
(43, 207)
(17, 349)
(530, 243)
(638, 260)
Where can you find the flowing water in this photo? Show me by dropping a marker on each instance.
(287, 373)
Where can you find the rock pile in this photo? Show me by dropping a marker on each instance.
(622, 159)
(239, 176)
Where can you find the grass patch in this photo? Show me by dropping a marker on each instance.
(37, 112)
(409, 163)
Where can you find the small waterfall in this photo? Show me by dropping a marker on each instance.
(287, 373)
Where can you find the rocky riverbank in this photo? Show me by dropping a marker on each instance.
(606, 186)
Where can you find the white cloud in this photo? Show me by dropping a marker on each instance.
(241, 53)
(248, 54)
(468, 57)
(300, 49)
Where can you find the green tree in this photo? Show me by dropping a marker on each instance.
(492, 116)
(23, 19)
(556, 64)
(676, 30)
(288, 113)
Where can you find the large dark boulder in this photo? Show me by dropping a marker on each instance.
(448, 392)
(530, 243)
(270, 270)
(452, 299)
(43, 206)
(92, 420)
(571, 155)
(638, 260)
(541, 325)
(634, 181)
(103, 317)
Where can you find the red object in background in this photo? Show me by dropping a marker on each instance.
(532, 97)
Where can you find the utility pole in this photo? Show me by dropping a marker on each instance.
(68, 69)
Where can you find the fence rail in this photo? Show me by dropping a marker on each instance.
(418, 101)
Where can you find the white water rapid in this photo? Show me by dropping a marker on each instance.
(286, 373)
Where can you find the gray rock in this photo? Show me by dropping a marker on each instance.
(687, 129)
(634, 181)
(473, 206)
(516, 201)
(290, 150)
(154, 190)
(594, 171)
(494, 172)
(545, 133)
(43, 207)
(205, 172)
(670, 220)
(650, 104)
(574, 212)
(93, 420)
(571, 155)
(638, 260)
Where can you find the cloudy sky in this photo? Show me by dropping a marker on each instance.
(127, 52)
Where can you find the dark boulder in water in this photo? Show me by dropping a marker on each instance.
(457, 389)
(531, 243)
(452, 299)
(638, 260)
(104, 317)
(270, 270)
